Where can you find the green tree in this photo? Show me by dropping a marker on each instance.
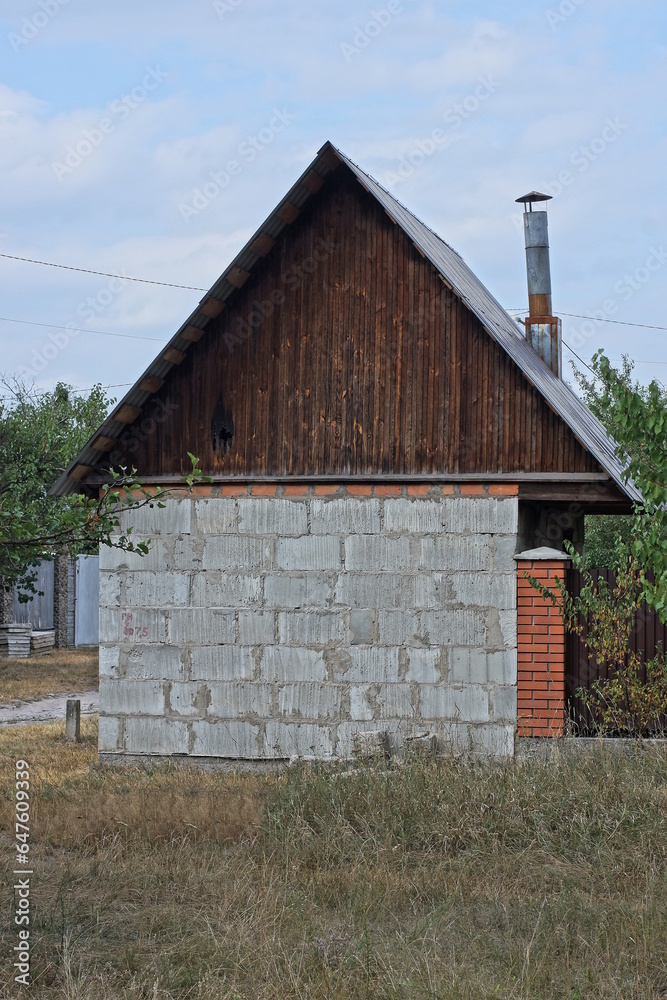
(40, 433)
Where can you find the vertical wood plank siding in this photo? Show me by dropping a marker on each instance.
(369, 365)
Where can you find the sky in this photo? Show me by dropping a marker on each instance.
(118, 119)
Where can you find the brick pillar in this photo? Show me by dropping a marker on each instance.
(540, 646)
(60, 599)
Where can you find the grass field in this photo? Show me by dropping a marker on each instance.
(64, 671)
(445, 879)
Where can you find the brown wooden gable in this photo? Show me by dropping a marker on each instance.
(345, 353)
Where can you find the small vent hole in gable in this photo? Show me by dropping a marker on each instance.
(222, 428)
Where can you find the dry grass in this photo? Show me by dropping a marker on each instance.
(64, 671)
(439, 879)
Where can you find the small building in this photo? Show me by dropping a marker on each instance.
(384, 440)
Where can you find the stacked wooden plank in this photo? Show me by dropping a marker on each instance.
(3, 640)
(42, 642)
(18, 640)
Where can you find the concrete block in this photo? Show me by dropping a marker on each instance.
(129, 627)
(256, 628)
(508, 628)
(455, 552)
(345, 516)
(468, 666)
(457, 627)
(310, 552)
(493, 515)
(155, 663)
(311, 700)
(188, 553)
(186, 698)
(375, 590)
(298, 590)
(109, 734)
(362, 627)
(466, 705)
(490, 590)
(316, 628)
(424, 666)
(235, 552)
(361, 708)
(351, 743)
(283, 739)
(411, 517)
(109, 661)
(497, 740)
(156, 736)
(372, 746)
(235, 740)
(215, 589)
(156, 590)
(504, 549)
(504, 704)
(115, 559)
(231, 700)
(201, 626)
(398, 628)
(378, 554)
(271, 516)
(394, 701)
(502, 667)
(374, 664)
(217, 516)
(172, 519)
(222, 663)
(430, 590)
(289, 663)
(126, 697)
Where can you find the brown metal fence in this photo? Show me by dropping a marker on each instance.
(648, 635)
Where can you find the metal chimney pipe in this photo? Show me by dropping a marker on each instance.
(543, 329)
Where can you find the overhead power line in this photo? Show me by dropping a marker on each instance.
(601, 319)
(102, 274)
(76, 329)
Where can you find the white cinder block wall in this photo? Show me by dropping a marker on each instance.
(271, 626)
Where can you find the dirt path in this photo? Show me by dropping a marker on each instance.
(51, 709)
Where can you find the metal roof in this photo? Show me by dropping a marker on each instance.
(454, 272)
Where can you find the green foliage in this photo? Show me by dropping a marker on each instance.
(607, 537)
(632, 700)
(636, 417)
(40, 433)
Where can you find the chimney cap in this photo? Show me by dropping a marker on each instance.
(532, 196)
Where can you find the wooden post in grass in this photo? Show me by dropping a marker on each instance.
(73, 721)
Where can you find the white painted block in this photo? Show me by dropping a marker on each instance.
(222, 738)
(345, 516)
(156, 736)
(314, 552)
(418, 516)
(290, 663)
(221, 663)
(272, 516)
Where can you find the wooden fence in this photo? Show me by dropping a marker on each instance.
(649, 634)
